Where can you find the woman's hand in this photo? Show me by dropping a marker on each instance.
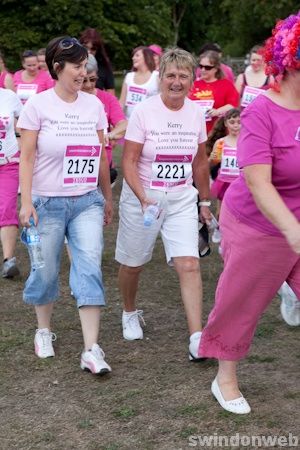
(108, 212)
(145, 202)
(205, 215)
(212, 112)
(293, 238)
(27, 211)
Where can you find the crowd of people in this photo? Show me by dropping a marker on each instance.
(186, 142)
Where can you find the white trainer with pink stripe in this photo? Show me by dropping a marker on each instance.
(93, 361)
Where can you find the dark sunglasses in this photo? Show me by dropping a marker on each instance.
(67, 43)
(90, 79)
(206, 67)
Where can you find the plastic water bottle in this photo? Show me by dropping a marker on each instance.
(151, 214)
(32, 239)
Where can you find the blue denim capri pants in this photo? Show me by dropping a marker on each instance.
(80, 219)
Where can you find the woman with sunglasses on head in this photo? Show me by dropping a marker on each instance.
(6, 79)
(62, 165)
(92, 40)
(260, 218)
(142, 82)
(31, 80)
(215, 94)
(115, 116)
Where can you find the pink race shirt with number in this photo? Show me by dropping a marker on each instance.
(65, 164)
(170, 171)
(169, 141)
(250, 93)
(229, 169)
(135, 95)
(81, 165)
(205, 105)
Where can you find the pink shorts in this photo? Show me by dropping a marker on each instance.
(218, 188)
(9, 183)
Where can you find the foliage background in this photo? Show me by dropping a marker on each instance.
(125, 24)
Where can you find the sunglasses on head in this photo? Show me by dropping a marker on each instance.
(67, 43)
(90, 79)
(206, 67)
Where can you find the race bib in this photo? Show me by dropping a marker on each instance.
(249, 94)
(135, 95)
(229, 165)
(24, 91)
(205, 105)
(81, 165)
(169, 171)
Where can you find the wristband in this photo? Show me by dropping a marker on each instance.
(204, 203)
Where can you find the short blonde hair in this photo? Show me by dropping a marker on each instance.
(181, 58)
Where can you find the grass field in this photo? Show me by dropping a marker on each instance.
(155, 399)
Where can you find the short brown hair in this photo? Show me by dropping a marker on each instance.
(55, 53)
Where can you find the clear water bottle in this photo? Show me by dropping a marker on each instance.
(151, 214)
(31, 237)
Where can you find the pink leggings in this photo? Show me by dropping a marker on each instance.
(9, 183)
(255, 266)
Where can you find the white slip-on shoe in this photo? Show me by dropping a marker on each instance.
(290, 305)
(131, 324)
(194, 347)
(43, 343)
(93, 361)
(236, 406)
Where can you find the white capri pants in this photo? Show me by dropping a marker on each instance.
(177, 224)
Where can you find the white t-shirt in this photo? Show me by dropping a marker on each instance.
(137, 93)
(170, 139)
(10, 108)
(67, 142)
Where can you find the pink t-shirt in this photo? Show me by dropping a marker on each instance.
(2, 79)
(62, 126)
(270, 134)
(26, 89)
(170, 141)
(114, 114)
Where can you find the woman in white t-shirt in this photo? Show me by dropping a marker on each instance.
(142, 82)
(62, 165)
(164, 154)
(10, 108)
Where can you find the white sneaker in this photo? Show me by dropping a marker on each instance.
(236, 406)
(93, 361)
(194, 346)
(43, 343)
(216, 236)
(290, 305)
(131, 325)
